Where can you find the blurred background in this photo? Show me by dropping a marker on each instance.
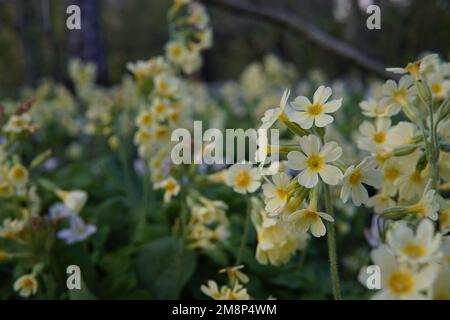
(35, 43)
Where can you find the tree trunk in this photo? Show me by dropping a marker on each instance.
(87, 44)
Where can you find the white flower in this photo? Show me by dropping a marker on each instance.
(212, 290)
(17, 123)
(18, 175)
(439, 86)
(411, 184)
(73, 200)
(272, 115)
(165, 85)
(11, 228)
(243, 178)
(398, 281)
(378, 109)
(170, 186)
(26, 285)
(399, 94)
(415, 68)
(277, 193)
(427, 206)
(380, 202)
(374, 138)
(175, 51)
(393, 169)
(314, 161)
(317, 112)
(309, 218)
(419, 248)
(354, 178)
(401, 134)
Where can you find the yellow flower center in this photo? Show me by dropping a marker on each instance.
(176, 51)
(18, 173)
(27, 283)
(146, 118)
(315, 162)
(414, 250)
(399, 96)
(18, 122)
(161, 133)
(355, 177)
(243, 179)
(170, 186)
(315, 109)
(401, 283)
(391, 173)
(413, 69)
(437, 88)
(309, 215)
(163, 86)
(281, 193)
(160, 107)
(379, 137)
(282, 117)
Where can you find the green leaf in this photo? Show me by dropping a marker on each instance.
(165, 266)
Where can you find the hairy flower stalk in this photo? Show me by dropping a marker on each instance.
(331, 239)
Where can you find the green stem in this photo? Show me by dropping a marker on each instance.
(433, 152)
(331, 237)
(245, 234)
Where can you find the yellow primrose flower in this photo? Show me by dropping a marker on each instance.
(26, 285)
(18, 123)
(73, 200)
(171, 188)
(354, 177)
(18, 175)
(310, 219)
(165, 85)
(313, 161)
(175, 51)
(374, 138)
(238, 292)
(439, 86)
(160, 108)
(317, 112)
(415, 248)
(427, 207)
(11, 228)
(411, 184)
(378, 109)
(398, 281)
(400, 94)
(212, 290)
(144, 119)
(235, 273)
(380, 202)
(243, 178)
(274, 114)
(276, 193)
(415, 68)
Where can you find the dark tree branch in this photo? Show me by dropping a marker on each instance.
(306, 30)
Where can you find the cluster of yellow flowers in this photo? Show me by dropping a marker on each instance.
(414, 160)
(166, 94)
(208, 221)
(105, 115)
(408, 163)
(25, 234)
